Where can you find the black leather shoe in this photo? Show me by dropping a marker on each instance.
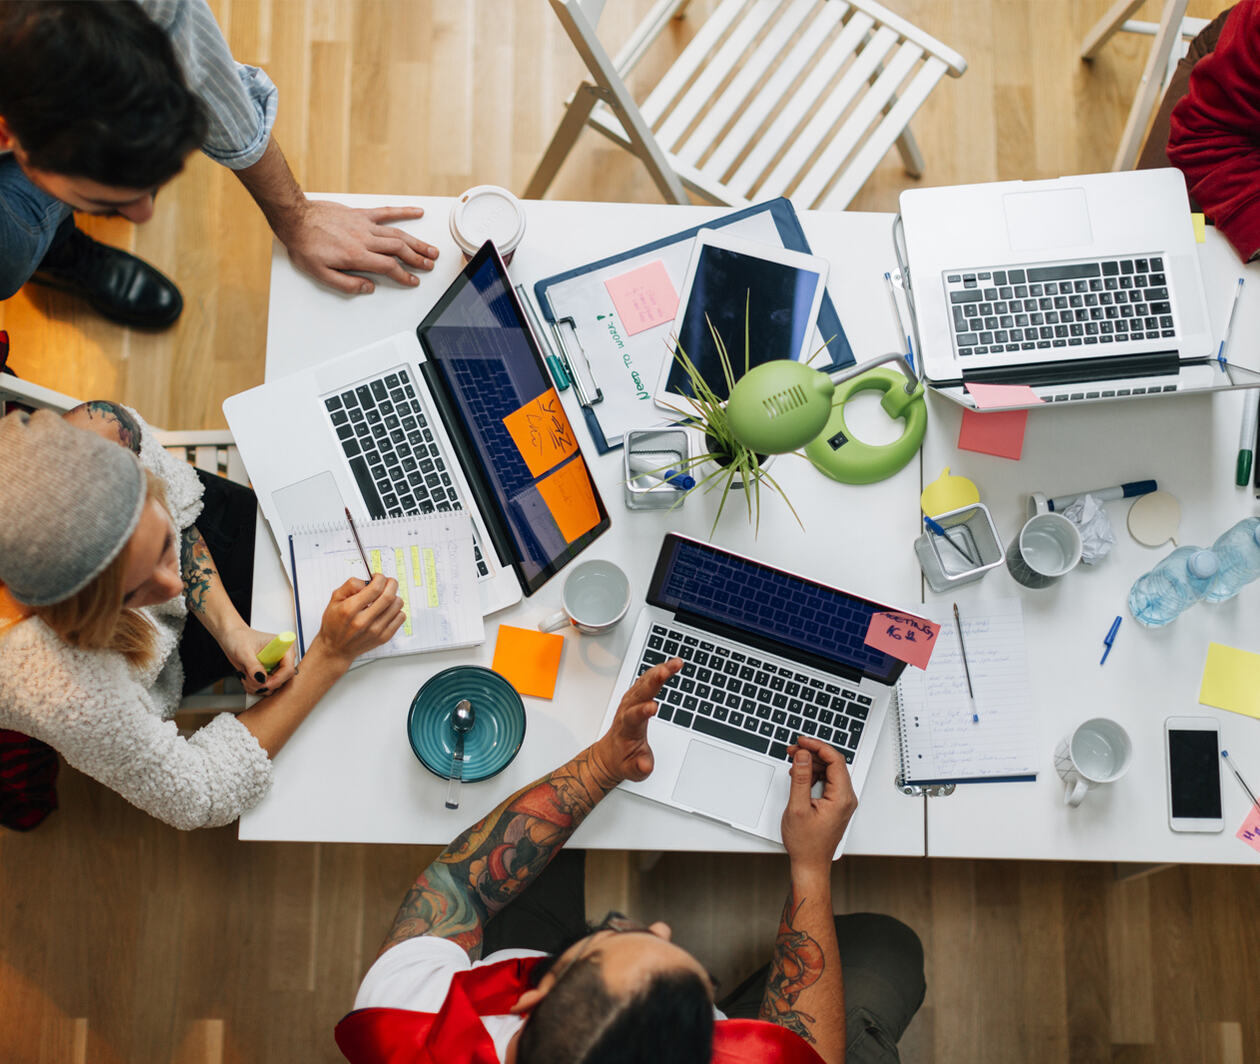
(118, 285)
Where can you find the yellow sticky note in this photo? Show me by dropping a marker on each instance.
(430, 577)
(568, 495)
(541, 432)
(529, 660)
(1231, 680)
(1200, 228)
(400, 574)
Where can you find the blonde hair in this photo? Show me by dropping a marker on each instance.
(95, 619)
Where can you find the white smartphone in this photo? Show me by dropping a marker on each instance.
(1192, 746)
(782, 291)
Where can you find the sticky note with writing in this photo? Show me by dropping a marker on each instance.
(903, 635)
(542, 433)
(567, 493)
(644, 297)
(1250, 830)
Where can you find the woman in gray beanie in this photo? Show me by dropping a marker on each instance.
(100, 564)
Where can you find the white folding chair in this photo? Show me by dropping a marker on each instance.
(212, 452)
(770, 98)
(1172, 33)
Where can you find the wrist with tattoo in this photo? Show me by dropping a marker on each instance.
(798, 963)
(197, 567)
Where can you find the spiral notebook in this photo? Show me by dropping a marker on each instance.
(940, 742)
(431, 557)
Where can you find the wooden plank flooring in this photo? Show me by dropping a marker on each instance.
(124, 941)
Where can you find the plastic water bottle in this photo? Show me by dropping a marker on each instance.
(1238, 551)
(1173, 586)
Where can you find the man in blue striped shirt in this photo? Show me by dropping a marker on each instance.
(101, 103)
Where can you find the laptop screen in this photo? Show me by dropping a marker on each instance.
(809, 622)
(508, 423)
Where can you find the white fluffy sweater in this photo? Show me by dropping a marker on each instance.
(113, 721)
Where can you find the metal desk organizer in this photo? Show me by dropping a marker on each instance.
(664, 449)
(972, 531)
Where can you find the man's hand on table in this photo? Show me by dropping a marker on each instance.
(623, 753)
(813, 827)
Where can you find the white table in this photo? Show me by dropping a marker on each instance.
(1188, 444)
(349, 774)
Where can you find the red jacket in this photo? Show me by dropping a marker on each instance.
(1215, 131)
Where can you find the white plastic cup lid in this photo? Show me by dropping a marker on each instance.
(487, 212)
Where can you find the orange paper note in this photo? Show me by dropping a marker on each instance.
(528, 659)
(997, 432)
(568, 495)
(542, 432)
(903, 635)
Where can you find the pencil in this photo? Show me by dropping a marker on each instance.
(975, 717)
(359, 543)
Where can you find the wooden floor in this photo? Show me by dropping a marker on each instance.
(124, 941)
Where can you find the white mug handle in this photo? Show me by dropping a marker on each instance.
(555, 622)
(1074, 791)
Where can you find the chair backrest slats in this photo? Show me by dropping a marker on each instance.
(691, 59)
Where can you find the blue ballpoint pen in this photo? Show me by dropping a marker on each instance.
(1110, 638)
(937, 529)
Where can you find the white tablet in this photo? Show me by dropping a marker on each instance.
(782, 290)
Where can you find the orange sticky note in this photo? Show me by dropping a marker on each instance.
(988, 396)
(903, 635)
(542, 432)
(568, 495)
(644, 297)
(1250, 830)
(999, 432)
(528, 659)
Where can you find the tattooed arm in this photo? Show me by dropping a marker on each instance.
(499, 856)
(805, 990)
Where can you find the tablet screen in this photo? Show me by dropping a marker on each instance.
(779, 299)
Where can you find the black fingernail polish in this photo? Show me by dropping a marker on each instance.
(263, 691)
(240, 675)
(260, 676)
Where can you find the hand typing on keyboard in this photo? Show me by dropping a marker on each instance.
(623, 752)
(813, 827)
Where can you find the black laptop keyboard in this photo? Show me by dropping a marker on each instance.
(1082, 305)
(742, 698)
(392, 452)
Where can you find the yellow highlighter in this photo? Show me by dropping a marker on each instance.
(270, 655)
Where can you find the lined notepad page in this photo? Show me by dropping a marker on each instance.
(431, 557)
(939, 740)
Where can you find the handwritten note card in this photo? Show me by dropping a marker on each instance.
(542, 432)
(1231, 680)
(903, 635)
(567, 493)
(997, 432)
(644, 297)
(1250, 830)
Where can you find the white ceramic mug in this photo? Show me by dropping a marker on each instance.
(1048, 546)
(596, 596)
(1098, 751)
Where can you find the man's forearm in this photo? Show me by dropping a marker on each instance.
(275, 189)
(805, 990)
(500, 855)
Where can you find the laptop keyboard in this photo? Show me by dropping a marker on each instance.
(392, 451)
(1074, 304)
(732, 695)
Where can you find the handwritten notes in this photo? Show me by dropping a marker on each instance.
(643, 297)
(567, 493)
(997, 432)
(1231, 680)
(987, 396)
(528, 659)
(542, 433)
(1250, 830)
(903, 635)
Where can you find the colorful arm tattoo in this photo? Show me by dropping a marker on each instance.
(197, 567)
(123, 423)
(499, 856)
(797, 964)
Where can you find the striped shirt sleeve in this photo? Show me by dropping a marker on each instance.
(240, 101)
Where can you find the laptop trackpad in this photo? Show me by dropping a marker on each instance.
(314, 501)
(1056, 218)
(723, 784)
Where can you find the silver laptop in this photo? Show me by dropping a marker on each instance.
(770, 655)
(1085, 288)
(414, 424)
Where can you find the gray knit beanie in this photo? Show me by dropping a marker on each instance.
(69, 502)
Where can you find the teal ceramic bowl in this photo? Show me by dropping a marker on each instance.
(497, 732)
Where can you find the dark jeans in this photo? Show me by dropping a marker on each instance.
(227, 524)
(1155, 150)
(881, 957)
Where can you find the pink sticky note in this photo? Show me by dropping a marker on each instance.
(903, 635)
(997, 432)
(1250, 830)
(643, 297)
(988, 396)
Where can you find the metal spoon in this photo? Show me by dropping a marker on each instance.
(462, 721)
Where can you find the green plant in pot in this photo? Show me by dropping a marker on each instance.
(728, 464)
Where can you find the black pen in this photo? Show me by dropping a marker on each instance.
(359, 543)
(975, 717)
